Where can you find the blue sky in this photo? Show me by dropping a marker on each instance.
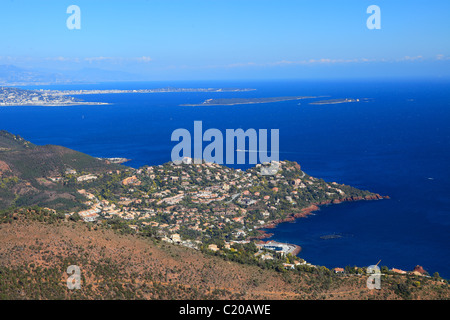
(228, 39)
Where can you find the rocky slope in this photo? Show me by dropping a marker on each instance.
(34, 257)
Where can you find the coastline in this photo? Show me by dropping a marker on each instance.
(160, 90)
(55, 104)
(308, 211)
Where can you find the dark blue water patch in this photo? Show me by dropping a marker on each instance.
(402, 240)
(397, 144)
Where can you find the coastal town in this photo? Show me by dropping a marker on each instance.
(207, 205)
(20, 97)
(200, 205)
(197, 209)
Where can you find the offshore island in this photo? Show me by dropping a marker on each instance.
(236, 101)
(337, 101)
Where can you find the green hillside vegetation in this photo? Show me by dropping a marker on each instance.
(25, 169)
(29, 161)
(132, 266)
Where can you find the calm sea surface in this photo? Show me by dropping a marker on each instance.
(398, 144)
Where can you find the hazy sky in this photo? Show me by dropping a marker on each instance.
(226, 39)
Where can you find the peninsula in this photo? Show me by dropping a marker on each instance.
(192, 204)
(159, 231)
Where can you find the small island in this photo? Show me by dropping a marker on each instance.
(334, 101)
(235, 101)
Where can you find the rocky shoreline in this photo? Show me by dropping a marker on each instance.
(308, 211)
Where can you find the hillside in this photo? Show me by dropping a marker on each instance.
(25, 170)
(29, 161)
(35, 254)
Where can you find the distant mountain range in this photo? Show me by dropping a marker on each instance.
(11, 75)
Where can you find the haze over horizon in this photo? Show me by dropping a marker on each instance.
(222, 40)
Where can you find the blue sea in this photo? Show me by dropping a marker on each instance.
(396, 144)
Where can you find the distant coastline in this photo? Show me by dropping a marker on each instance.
(158, 90)
(10, 97)
(61, 104)
(53, 98)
